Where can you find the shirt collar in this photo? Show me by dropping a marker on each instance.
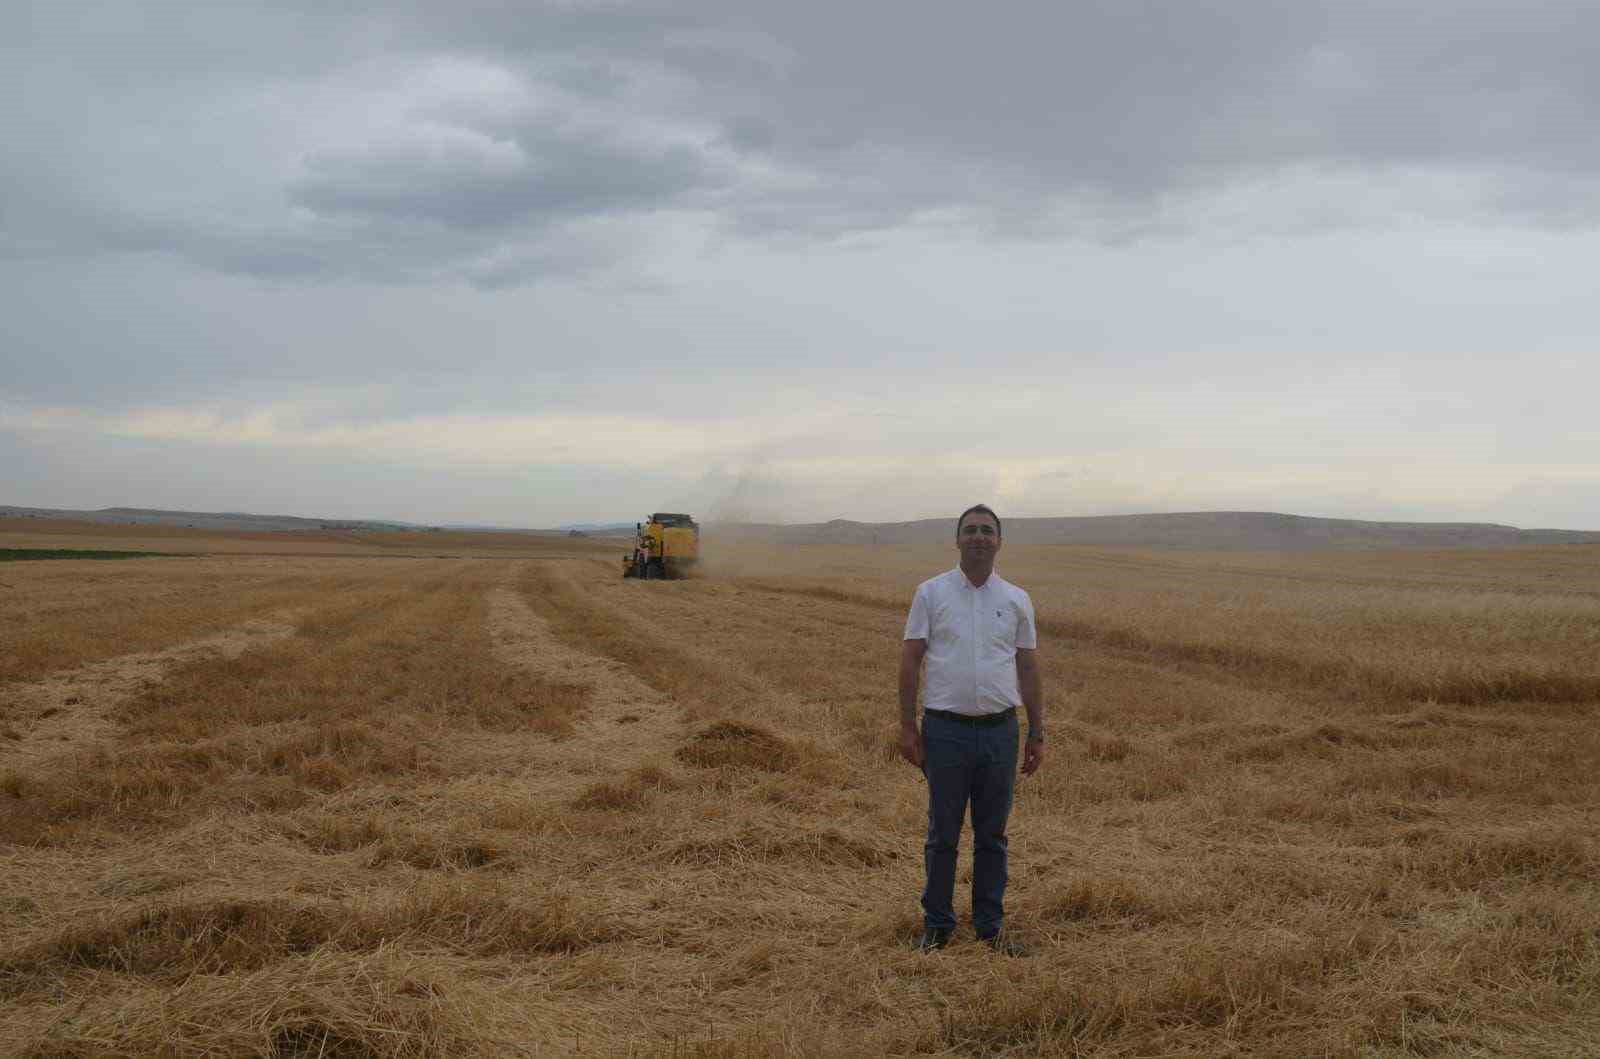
(994, 572)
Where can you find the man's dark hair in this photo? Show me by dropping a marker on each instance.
(980, 509)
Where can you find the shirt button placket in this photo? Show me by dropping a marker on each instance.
(972, 632)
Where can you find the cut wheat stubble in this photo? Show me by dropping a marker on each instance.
(56, 717)
(1215, 861)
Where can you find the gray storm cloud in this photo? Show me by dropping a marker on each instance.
(243, 137)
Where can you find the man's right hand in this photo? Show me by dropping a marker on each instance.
(911, 745)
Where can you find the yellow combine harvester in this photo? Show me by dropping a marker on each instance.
(668, 547)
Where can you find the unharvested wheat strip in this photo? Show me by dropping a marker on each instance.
(627, 722)
(67, 712)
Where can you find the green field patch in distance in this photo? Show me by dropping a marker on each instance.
(11, 555)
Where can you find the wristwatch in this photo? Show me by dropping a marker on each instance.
(1035, 737)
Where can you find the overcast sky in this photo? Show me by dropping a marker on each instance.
(533, 264)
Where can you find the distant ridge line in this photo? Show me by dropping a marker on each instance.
(1184, 530)
(1189, 530)
(216, 520)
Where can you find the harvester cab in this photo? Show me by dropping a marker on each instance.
(668, 546)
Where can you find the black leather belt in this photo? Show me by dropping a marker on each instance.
(980, 720)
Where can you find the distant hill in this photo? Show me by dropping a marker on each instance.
(245, 522)
(1195, 530)
(215, 520)
(601, 529)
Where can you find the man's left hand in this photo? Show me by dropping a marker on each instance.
(1032, 756)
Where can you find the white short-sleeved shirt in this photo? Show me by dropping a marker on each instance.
(973, 635)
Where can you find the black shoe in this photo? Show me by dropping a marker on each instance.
(1006, 946)
(934, 938)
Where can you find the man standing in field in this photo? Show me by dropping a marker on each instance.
(976, 632)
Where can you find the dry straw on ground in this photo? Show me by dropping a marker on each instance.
(421, 795)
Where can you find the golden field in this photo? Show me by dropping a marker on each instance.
(471, 794)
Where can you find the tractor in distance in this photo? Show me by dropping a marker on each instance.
(667, 547)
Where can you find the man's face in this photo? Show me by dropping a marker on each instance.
(978, 538)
